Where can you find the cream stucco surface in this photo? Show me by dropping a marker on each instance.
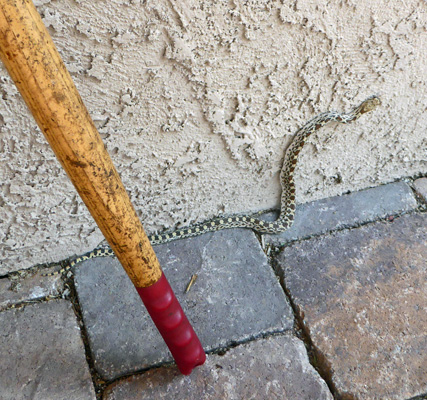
(196, 102)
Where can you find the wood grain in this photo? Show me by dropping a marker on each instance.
(38, 71)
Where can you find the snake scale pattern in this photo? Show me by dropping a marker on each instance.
(287, 204)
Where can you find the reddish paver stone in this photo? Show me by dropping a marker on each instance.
(274, 368)
(363, 297)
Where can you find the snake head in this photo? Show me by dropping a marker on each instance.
(369, 104)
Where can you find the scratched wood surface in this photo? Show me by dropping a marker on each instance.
(38, 71)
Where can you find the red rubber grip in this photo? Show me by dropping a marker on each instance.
(173, 325)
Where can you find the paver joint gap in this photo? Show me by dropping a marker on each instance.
(98, 383)
(316, 358)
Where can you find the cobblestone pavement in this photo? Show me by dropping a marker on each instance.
(335, 308)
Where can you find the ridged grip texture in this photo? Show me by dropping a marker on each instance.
(173, 325)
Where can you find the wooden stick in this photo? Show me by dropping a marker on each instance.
(35, 65)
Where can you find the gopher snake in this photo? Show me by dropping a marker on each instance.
(287, 204)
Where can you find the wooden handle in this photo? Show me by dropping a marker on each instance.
(35, 65)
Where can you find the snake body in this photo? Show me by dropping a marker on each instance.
(287, 204)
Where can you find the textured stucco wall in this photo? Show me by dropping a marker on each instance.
(196, 102)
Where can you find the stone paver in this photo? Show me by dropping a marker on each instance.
(420, 186)
(346, 211)
(42, 354)
(363, 296)
(29, 286)
(274, 368)
(236, 297)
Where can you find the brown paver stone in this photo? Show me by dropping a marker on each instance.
(274, 368)
(42, 354)
(363, 297)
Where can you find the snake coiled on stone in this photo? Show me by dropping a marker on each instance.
(287, 204)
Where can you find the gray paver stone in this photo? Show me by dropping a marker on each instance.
(363, 296)
(274, 368)
(346, 211)
(235, 297)
(42, 354)
(420, 186)
(28, 286)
